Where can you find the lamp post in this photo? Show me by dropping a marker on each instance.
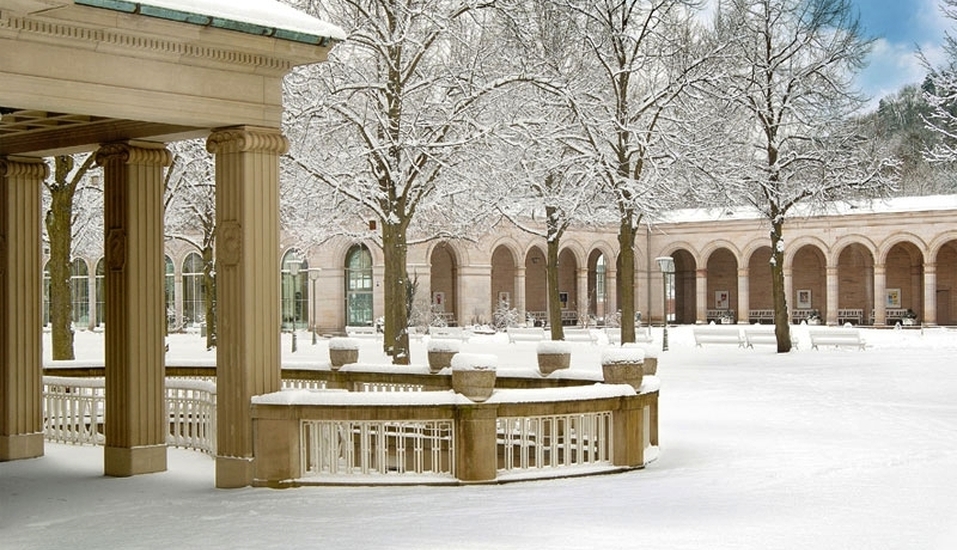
(294, 265)
(667, 266)
(314, 276)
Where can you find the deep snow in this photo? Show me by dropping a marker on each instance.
(828, 449)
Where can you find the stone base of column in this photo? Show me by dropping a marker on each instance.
(131, 461)
(18, 447)
(233, 472)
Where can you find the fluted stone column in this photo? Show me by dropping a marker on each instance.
(789, 290)
(929, 316)
(135, 314)
(518, 302)
(701, 296)
(611, 294)
(21, 307)
(247, 286)
(744, 295)
(582, 304)
(833, 291)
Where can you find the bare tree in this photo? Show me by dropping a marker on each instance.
(637, 65)
(940, 91)
(190, 206)
(790, 99)
(383, 124)
(67, 180)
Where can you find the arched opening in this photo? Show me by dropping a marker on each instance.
(855, 275)
(809, 282)
(722, 289)
(80, 292)
(536, 295)
(444, 277)
(760, 296)
(568, 287)
(685, 289)
(947, 284)
(358, 278)
(904, 288)
(194, 291)
(503, 279)
(597, 286)
(295, 282)
(100, 290)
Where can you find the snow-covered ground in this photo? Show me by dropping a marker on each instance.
(829, 449)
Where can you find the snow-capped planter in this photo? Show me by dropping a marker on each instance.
(343, 351)
(650, 364)
(473, 375)
(441, 352)
(623, 365)
(553, 356)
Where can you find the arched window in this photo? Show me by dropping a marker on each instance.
(194, 293)
(80, 291)
(359, 286)
(100, 290)
(295, 279)
(169, 284)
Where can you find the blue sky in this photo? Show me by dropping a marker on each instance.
(899, 27)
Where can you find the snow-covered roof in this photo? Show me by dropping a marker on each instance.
(259, 17)
(845, 208)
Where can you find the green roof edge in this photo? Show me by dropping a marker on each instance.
(205, 21)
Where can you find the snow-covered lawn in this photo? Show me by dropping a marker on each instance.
(824, 449)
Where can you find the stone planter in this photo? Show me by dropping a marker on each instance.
(623, 365)
(441, 353)
(473, 375)
(650, 363)
(553, 356)
(343, 351)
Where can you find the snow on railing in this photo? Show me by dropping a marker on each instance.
(420, 447)
(386, 387)
(191, 407)
(302, 384)
(74, 411)
(538, 442)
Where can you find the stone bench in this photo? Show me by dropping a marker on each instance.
(362, 332)
(526, 334)
(717, 335)
(452, 333)
(837, 337)
(642, 336)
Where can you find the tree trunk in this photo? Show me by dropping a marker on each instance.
(60, 232)
(782, 327)
(209, 282)
(626, 278)
(554, 304)
(396, 278)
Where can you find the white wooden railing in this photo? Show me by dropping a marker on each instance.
(538, 442)
(420, 447)
(74, 411)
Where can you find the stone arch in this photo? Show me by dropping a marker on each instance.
(685, 290)
(721, 293)
(503, 278)
(358, 286)
(885, 247)
(536, 292)
(444, 282)
(808, 279)
(760, 294)
(568, 262)
(945, 291)
(600, 301)
(904, 280)
(799, 243)
(854, 258)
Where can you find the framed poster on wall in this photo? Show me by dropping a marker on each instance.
(722, 299)
(893, 298)
(804, 299)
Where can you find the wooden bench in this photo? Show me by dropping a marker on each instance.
(850, 315)
(717, 335)
(362, 332)
(526, 334)
(450, 333)
(642, 335)
(580, 335)
(837, 337)
(761, 336)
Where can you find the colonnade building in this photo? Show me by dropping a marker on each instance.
(875, 264)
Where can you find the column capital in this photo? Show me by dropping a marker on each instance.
(134, 152)
(244, 139)
(24, 167)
